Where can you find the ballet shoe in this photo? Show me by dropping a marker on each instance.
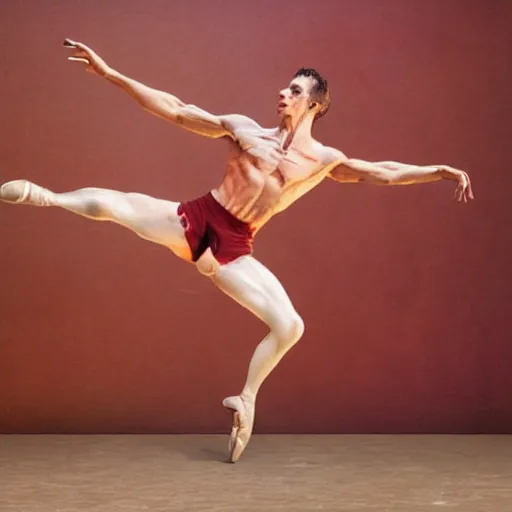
(243, 421)
(25, 192)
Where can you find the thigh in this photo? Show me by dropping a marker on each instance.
(255, 287)
(157, 220)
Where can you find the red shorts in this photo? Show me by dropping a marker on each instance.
(208, 224)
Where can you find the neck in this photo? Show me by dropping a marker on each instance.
(295, 129)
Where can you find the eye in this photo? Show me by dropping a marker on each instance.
(296, 92)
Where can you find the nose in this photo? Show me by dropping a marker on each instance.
(282, 94)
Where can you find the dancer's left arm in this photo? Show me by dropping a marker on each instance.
(351, 170)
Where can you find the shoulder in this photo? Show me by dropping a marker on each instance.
(330, 157)
(235, 122)
(243, 130)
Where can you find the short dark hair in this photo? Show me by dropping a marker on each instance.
(320, 90)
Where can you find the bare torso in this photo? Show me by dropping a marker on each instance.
(263, 177)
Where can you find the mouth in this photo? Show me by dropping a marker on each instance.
(281, 105)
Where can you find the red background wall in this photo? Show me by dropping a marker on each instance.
(405, 293)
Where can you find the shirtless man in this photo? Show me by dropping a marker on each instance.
(267, 170)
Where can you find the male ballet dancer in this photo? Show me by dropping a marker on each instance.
(267, 170)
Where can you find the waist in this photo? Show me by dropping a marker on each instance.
(214, 200)
(211, 210)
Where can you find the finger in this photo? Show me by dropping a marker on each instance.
(82, 47)
(68, 43)
(79, 59)
(471, 195)
(75, 44)
(467, 179)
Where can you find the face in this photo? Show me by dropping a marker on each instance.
(295, 100)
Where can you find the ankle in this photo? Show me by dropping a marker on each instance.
(248, 396)
(47, 198)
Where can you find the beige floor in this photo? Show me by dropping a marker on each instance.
(286, 473)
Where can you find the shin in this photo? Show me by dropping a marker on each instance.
(271, 350)
(253, 286)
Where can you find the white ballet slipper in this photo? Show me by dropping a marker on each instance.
(243, 422)
(25, 192)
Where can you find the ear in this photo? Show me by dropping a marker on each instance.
(313, 105)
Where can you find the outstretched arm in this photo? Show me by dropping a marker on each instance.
(351, 170)
(159, 103)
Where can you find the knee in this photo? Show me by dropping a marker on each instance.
(291, 330)
(117, 208)
(94, 208)
(298, 327)
(92, 202)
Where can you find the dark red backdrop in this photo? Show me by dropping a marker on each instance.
(405, 293)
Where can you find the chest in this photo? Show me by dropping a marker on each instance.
(289, 165)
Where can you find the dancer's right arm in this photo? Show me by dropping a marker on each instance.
(170, 108)
(160, 103)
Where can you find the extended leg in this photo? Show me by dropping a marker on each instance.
(150, 218)
(253, 286)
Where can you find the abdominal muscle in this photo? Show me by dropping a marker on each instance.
(254, 188)
(249, 194)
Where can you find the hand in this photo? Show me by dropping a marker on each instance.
(463, 191)
(81, 53)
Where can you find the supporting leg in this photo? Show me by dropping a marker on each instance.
(253, 286)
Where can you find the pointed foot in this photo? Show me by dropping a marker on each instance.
(25, 192)
(243, 421)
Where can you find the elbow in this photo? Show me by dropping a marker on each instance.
(160, 102)
(383, 179)
(391, 180)
(394, 178)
